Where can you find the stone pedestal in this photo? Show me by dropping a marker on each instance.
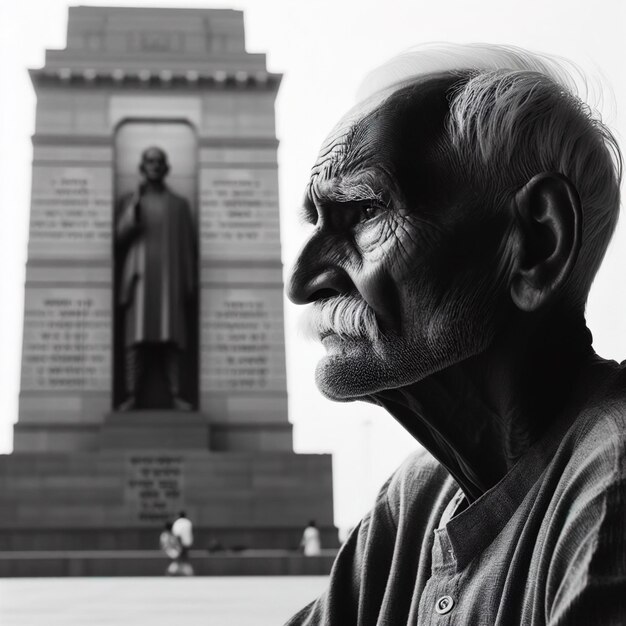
(119, 499)
(149, 430)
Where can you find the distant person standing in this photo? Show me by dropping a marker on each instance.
(310, 543)
(170, 544)
(183, 530)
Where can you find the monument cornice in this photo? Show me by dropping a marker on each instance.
(238, 142)
(150, 78)
(69, 262)
(244, 263)
(65, 139)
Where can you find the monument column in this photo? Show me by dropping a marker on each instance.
(121, 86)
(66, 354)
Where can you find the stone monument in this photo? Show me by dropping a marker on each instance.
(108, 447)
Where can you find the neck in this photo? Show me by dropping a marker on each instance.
(480, 416)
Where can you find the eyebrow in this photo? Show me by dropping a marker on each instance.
(345, 189)
(352, 189)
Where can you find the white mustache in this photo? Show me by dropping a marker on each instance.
(345, 316)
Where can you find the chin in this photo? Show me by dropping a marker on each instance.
(355, 368)
(339, 387)
(348, 371)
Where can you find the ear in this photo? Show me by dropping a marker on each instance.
(549, 225)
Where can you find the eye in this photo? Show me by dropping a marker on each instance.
(370, 211)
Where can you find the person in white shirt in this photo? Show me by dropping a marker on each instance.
(310, 543)
(183, 529)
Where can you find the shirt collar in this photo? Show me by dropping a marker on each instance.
(474, 528)
(466, 534)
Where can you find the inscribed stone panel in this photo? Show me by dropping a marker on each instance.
(71, 212)
(239, 214)
(154, 486)
(67, 339)
(242, 340)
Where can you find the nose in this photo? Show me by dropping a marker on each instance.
(316, 274)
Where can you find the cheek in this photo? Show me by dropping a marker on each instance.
(375, 239)
(448, 303)
(391, 244)
(391, 277)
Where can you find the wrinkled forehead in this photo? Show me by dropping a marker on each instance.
(386, 133)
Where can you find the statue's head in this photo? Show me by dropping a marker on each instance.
(470, 194)
(154, 166)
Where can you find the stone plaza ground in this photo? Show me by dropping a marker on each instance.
(206, 601)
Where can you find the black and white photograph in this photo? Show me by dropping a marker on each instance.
(314, 313)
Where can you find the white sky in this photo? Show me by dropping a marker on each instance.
(324, 48)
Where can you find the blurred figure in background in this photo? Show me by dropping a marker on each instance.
(170, 544)
(310, 542)
(183, 530)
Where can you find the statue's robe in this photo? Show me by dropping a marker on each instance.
(156, 245)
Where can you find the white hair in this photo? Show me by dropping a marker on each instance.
(431, 58)
(514, 114)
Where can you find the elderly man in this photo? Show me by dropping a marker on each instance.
(459, 215)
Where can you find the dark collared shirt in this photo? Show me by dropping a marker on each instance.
(545, 546)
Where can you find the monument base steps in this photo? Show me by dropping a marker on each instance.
(120, 499)
(153, 563)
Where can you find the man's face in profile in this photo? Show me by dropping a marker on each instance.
(400, 271)
(154, 165)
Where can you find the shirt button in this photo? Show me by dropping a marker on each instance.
(444, 605)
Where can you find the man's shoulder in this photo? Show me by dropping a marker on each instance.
(602, 426)
(601, 443)
(594, 450)
(586, 517)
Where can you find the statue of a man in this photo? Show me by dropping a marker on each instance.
(156, 252)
